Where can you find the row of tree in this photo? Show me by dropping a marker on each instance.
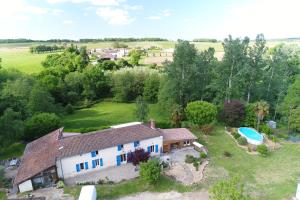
(45, 48)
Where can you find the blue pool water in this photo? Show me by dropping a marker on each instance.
(251, 134)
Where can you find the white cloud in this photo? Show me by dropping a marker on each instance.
(35, 10)
(154, 17)
(57, 12)
(115, 16)
(93, 2)
(68, 22)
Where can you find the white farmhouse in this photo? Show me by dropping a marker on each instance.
(60, 155)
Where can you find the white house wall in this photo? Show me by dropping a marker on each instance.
(66, 167)
(25, 186)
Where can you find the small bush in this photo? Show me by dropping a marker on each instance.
(203, 155)
(227, 154)
(262, 149)
(189, 159)
(236, 135)
(196, 164)
(69, 109)
(266, 129)
(242, 141)
(60, 184)
(150, 171)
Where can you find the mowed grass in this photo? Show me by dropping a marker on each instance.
(106, 114)
(114, 191)
(272, 177)
(22, 60)
(2, 195)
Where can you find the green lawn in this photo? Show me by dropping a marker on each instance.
(2, 196)
(107, 113)
(14, 150)
(22, 60)
(113, 191)
(273, 177)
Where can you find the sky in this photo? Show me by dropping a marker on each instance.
(170, 19)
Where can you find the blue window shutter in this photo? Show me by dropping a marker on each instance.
(93, 163)
(149, 149)
(119, 147)
(156, 148)
(134, 143)
(118, 160)
(101, 162)
(93, 154)
(77, 167)
(86, 164)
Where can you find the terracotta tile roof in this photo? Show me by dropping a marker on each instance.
(175, 134)
(105, 138)
(39, 155)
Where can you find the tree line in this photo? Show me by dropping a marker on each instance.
(247, 74)
(45, 48)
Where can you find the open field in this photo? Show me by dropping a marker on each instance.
(105, 114)
(16, 55)
(272, 177)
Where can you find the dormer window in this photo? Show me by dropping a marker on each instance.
(136, 143)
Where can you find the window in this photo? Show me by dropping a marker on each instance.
(97, 162)
(94, 153)
(81, 166)
(136, 143)
(186, 143)
(120, 147)
(123, 157)
(151, 148)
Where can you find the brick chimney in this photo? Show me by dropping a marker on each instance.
(152, 124)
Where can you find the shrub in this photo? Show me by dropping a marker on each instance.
(207, 129)
(150, 171)
(69, 109)
(138, 156)
(201, 112)
(41, 124)
(189, 159)
(250, 116)
(236, 135)
(227, 154)
(196, 164)
(233, 113)
(262, 149)
(60, 184)
(266, 129)
(203, 155)
(242, 141)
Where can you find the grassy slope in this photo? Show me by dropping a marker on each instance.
(105, 114)
(273, 177)
(22, 60)
(2, 195)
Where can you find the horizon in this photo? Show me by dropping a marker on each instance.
(77, 19)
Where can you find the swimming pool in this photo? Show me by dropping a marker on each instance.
(252, 136)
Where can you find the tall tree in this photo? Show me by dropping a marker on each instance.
(180, 72)
(256, 63)
(228, 74)
(142, 109)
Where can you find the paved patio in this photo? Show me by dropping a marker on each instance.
(115, 174)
